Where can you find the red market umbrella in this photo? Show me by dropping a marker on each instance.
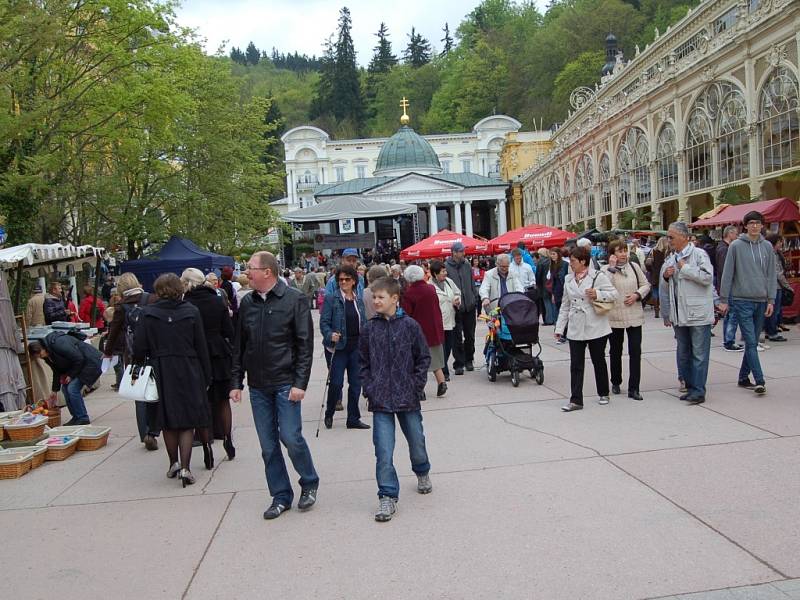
(533, 236)
(774, 211)
(439, 246)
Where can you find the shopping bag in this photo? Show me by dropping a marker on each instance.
(138, 383)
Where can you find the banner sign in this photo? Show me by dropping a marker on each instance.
(340, 242)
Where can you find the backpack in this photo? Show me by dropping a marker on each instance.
(133, 313)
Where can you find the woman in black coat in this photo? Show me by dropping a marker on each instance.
(170, 338)
(218, 328)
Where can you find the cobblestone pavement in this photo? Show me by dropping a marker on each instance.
(633, 500)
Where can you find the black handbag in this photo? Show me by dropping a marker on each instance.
(787, 297)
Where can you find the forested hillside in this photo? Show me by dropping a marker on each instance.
(505, 57)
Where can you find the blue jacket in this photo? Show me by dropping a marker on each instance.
(332, 319)
(394, 363)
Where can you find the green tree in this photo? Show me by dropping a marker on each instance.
(252, 55)
(584, 71)
(418, 50)
(383, 59)
(447, 40)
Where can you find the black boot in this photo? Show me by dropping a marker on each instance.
(230, 450)
(208, 456)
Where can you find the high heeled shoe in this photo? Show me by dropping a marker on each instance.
(208, 456)
(174, 470)
(186, 477)
(230, 450)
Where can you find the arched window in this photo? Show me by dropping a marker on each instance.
(778, 120)
(568, 199)
(632, 161)
(641, 173)
(605, 184)
(734, 149)
(584, 180)
(554, 198)
(698, 150)
(624, 168)
(665, 162)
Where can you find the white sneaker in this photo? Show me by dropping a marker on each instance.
(762, 347)
(386, 508)
(603, 400)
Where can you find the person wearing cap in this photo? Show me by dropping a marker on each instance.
(466, 316)
(750, 281)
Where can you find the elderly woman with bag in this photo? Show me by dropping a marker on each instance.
(627, 316)
(449, 300)
(588, 298)
(170, 338)
(421, 304)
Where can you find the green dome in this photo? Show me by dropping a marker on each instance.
(407, 151)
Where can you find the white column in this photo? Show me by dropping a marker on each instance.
(434, 221)
(502, 226)
(291, 193)
(457, 211)
(468, 216)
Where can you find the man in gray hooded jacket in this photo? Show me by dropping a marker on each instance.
(749, 280)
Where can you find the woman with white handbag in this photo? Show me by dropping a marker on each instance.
(588, 298)
(169, 338)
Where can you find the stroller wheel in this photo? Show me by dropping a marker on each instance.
(540, 376)
(514, 378)
(533, 373)
(491, 369)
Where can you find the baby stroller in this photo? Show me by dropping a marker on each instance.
(513, 330)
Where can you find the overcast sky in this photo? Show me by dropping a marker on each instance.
(303, 25)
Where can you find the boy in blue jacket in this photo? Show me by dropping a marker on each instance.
(394, 368)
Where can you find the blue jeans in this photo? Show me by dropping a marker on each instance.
(771, 323)
(345, 360)
(694, 347)
(383, 439)
(549, 308)
(279, 419)
(75, 403)
(751, 322)
(729, 325)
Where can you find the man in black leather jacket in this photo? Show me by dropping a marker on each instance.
(460, 272)
(274, 345)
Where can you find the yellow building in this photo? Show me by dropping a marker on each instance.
(521, 150)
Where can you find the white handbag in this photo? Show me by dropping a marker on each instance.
(138, 383)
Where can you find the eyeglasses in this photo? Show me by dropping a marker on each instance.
(753, 223)
(251, 268)
(343, 279)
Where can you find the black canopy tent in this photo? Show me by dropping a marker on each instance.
(175, 256)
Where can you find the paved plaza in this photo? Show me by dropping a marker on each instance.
(631, 500)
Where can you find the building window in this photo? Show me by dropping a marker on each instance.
(778, 120)
(734, 149)
(632, 161)
(339, 171)
(466, 166)
(605, 184)
(641, 171)
(554, 198)
(568, 198)
(361, 171)
(698, 150)
(445, 166)
(666, 164)
(584, 180)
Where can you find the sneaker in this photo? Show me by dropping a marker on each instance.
(603, 400)
(615, 389)
(747, 384)
(561, 340)
(571, 406)
(424, 485)
(339, 406)
(150, 442)
(386, 508)
(276, 510)
(307, 498)
(762, 347)
(784, 328)
(682, 388)
(441, 390)
(760, 389)
(777, 338)
(733, 347)
(458, 371)
(469, 366)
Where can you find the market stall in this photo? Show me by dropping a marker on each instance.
(533, 236)
(440, 245)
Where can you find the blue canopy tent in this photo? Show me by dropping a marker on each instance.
(176, 255)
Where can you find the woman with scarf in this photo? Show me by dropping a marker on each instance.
(627, 316)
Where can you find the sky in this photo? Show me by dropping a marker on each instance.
(303, 25)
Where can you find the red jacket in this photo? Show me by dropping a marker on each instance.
(85, 311)
(421, 303)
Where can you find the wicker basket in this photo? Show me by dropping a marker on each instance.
(92, 438)
(38, 453)
(60, 451)
(54, 420)
(14, 464)
(65, 430)
(18, 433)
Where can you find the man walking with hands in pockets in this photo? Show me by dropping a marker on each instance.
(274, 345)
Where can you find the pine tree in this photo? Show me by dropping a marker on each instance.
(418, 51)
(446, 40)
(252, 54)
(238, 56)
(383, 59)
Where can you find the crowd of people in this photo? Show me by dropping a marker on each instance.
(386, 325)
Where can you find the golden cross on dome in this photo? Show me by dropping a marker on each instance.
(404, 105)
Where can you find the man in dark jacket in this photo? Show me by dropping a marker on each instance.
(55, 309)
(75, 364)
(730, 324)
(460, 272)
(274, 346)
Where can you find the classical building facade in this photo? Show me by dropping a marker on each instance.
(454, 179)
(709, 109)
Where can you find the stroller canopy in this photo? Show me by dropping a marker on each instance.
(521, 317)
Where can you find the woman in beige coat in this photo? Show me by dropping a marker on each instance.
(449, 300)
(627, 316)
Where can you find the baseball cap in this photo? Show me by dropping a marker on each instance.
(457, 247)
(349, 252)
